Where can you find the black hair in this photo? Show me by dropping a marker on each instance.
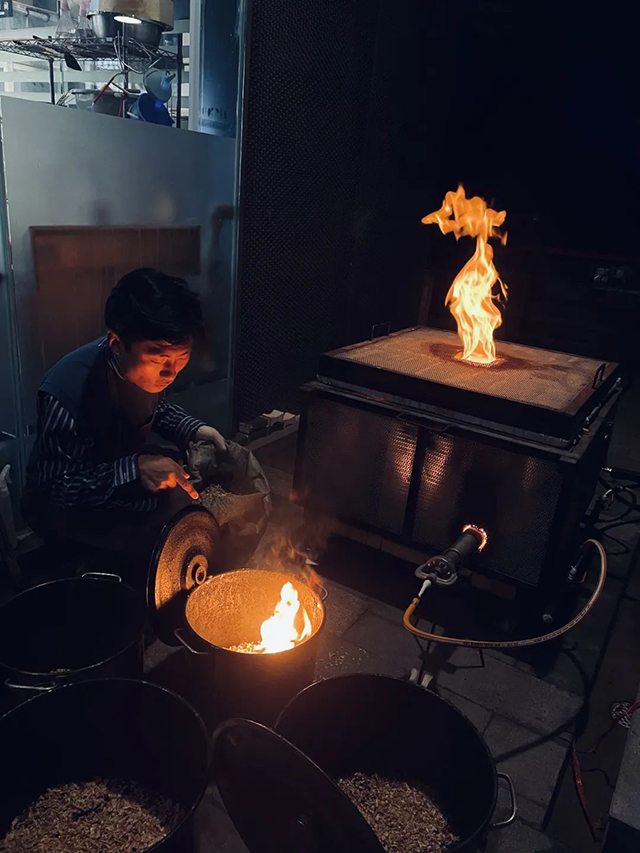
(147, 305)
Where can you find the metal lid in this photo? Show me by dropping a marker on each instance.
(278, 799)
(185, 555)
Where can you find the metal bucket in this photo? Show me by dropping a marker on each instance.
(372, 723)
(69, 630)
(228, 610)
(111, 729)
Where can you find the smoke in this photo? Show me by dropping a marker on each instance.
(294, 544)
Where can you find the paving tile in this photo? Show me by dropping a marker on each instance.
(337, 656)
(384, 639)
(515, 694)
(462, 656)
(213, 828)
(343, 607)
(633, 588)
(624, 805)
(519, 838)
(386, 611)
(533, 763)
(529, 812)
(571, 669)
(156, 654)
(478, 715)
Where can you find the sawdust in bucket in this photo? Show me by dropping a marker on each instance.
(100, 816)
(215, 499)
(404, 814)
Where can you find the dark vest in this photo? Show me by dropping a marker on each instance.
(116, 415)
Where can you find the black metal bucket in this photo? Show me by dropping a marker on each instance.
(112, 729)
(69, 630)
(223, 611)
(372, 723)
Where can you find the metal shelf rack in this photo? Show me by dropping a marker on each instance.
(131, 54)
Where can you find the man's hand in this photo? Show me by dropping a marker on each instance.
(207, 433)
(160, 472)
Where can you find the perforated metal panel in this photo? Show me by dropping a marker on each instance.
(306, 99)
(357, 464)
(510, 494)
(371, 464)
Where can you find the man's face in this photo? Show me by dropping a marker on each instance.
(150, 365)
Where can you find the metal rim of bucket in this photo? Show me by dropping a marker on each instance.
(213, 647)
(73, 672)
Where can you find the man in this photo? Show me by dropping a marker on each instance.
(92, 476)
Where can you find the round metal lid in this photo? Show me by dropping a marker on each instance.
(278, 799)
(185, 555)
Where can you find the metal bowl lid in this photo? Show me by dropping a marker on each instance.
(186, 554)
(278, 799)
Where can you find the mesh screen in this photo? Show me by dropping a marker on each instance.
(512, 495)
(307, 95)
(357, 464)
(522, 374)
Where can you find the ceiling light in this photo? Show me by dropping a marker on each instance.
(127, 19)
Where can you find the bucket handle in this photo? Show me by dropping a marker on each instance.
(107, 575)
(179, 636)
(514, 806)
(45, 686)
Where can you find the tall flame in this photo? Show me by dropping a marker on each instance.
(279, 633)
(471, 298)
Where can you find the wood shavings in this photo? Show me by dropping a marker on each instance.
(213, 497)
(92, 817)
(246, 648)
(402, 813)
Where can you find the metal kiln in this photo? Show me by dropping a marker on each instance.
(402, 438)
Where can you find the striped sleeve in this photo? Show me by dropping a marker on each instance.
(67, 465)
(173, 423)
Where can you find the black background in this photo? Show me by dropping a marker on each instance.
(532, 106)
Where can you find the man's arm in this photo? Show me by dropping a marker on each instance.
(66, 464)
(174, 424)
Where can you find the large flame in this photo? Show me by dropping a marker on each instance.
(471, 297)
(279, 633)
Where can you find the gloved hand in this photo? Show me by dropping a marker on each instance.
(207, 433)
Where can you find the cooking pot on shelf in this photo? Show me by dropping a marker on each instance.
(146, 32)
(112, 729)
(367, 723)
(195, 603)
(69, 630)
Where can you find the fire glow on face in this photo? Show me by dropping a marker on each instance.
(471, 297)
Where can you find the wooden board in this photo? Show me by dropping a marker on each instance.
(76, 267)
